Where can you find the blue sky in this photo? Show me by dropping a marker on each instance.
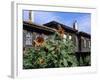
(66, 18)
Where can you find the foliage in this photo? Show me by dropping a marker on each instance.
(56, 52)
(86, 61)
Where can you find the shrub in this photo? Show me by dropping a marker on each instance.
(55, 52)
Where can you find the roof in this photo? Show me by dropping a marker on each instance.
(54, 24)
(50, 27)
(35, 27)
(84, 34)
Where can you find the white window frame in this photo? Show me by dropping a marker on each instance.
(28, 39)
(70, 37)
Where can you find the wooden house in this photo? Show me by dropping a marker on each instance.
(81, 40)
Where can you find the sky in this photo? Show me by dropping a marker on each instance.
(66, 18)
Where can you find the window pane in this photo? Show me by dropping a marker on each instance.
(70, 37)
(84, 43)
(89, 44)
(28, 39)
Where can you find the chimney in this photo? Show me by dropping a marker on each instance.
(75, 25)
(31, 16)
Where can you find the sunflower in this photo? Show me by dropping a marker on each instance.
(41, 61)
(60, 30)
(39, 41)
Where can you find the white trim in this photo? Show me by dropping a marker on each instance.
(70, 37)
(17, 70)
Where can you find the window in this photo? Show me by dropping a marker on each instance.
(89, 44)
(70, 37)
(64, 36)
(75, 41)
(28, 39)
(45, 37)
(24, 35)
(84, 42)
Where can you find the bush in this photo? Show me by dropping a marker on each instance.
(56, 52)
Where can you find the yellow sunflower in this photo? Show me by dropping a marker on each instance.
(39, 41)
(60, 30)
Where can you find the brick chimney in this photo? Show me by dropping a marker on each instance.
(75, 25)
(31, 16)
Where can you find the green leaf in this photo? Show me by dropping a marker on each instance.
(51, 48)
(65, 62)
(56, 52)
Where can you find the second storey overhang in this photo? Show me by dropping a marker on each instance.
(37, 28)
(83, 34)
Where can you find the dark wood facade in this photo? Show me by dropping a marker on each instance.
(81, 40)
(31, 31)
